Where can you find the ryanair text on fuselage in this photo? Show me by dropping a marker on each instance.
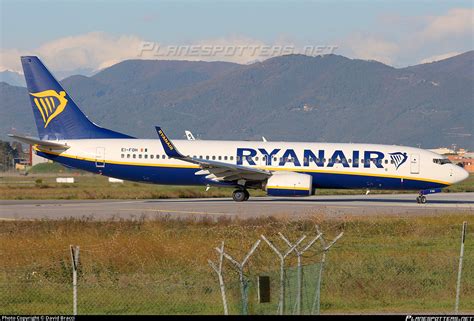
(369, 157)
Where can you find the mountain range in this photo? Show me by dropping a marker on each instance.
(326, 98)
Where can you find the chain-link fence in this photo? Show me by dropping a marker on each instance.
(396, 265)
(310, 292)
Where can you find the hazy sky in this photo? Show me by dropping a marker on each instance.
(71, 35)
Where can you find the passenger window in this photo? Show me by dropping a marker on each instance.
(213, 157)
(275, 159)
(128, 155)
(134, 156)
(146, 156)
(231, 157)
(350, 160)
(237, 158)
(122, 155)
(207, 157)
(225, 157)
(139, 155)
(152, 156)
(256, 158)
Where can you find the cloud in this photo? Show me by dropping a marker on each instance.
(439, 57)
(422, 36)
(369, 47)
(94, 50)
(457, 22)
(97, 50)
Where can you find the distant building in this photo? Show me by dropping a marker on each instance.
(466, 162)
(35, 159)
(442, 151)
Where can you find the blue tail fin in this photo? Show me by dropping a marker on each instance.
(56, 114)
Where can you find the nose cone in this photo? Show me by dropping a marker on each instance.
(460, 174)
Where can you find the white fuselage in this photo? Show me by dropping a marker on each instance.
(331, 165)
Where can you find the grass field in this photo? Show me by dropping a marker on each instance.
(42, 185)
(382, 264)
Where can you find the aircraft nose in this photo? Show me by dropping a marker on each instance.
(460, 174)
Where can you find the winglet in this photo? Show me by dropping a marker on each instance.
(168, 146)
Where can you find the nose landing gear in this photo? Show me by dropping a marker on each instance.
(421, 199)
(240, 195)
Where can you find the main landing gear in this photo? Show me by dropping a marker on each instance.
(240, 195)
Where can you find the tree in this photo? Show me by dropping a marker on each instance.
(7, 154)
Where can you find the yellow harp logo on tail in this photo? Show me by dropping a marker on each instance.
(50, 104)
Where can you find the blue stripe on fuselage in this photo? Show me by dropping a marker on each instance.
(185, 176)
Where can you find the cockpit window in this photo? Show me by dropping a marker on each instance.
(441, 161)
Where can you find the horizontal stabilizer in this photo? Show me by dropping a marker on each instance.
(39, 142)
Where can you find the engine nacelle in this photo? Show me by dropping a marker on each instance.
(289, 184)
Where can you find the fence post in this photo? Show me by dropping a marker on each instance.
(75, 262)
(218, 270)
(240, 269)
(326, 247)
(299, 295)
(458, 285)
(281, 305)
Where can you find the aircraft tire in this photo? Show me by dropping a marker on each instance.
(239, 195)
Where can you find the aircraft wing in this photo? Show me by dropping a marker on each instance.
(217, 171)
(38, 142)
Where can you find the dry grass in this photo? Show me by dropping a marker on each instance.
(382, 264)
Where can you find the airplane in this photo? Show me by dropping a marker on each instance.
(284, 169)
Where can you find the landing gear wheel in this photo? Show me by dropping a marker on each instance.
(239, 195)
(247, 195)
(423, 199)
(418, 199)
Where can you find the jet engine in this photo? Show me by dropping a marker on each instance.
(289, 184)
